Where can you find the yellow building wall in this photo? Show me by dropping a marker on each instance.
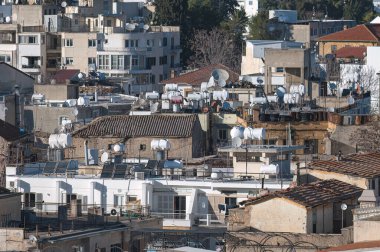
(278, 215)
(325, 47)
(324, 175)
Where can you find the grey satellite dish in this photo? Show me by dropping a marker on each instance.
(220, 76)
(260, 80)
(146, 27)
(154, 107)
(63, 4)
(104, 157)
(130, 27)
(236, 142)
(280, 92)
(32, 238)
(343, 207)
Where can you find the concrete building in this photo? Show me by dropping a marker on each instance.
(10, 212)
(306, 209)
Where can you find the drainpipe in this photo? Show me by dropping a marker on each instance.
(86, 152)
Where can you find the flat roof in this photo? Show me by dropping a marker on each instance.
(275, 149)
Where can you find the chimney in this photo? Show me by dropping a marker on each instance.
(86, 152)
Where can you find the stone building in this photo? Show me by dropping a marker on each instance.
(183, 131)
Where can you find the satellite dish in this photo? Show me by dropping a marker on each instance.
(146, 27)
(80, 75)
(7, 19)
(220, 76)
(130, 27)
(139, 103)
(260, 80)
(280, 92)
(104, 157)
(236, 142)
(75, 111)
(343, 207)
(32, 238)
(63, 4)
(154, 107)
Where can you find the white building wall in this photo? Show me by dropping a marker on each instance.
(251, 7)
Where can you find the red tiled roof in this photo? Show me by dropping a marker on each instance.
(355, 246)
(139, 125)
(351, 52)
(66, 74)
(195, 78)
(369, 32)
(365, 165)
(314, 194)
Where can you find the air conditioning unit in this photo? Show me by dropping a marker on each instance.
(139, 175)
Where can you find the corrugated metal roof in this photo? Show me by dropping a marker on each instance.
(314, 194)
(365, 165)
(139, 126)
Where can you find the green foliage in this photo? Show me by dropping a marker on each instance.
(258, 26)
(170, 12)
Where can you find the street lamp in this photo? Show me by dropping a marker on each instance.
(343, 207)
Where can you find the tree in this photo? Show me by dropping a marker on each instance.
(236, 25)
(357, 9)
(258, 26)
(214, 47)
(170, 12)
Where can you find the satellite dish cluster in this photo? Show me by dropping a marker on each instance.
(136, 26)
(239, 133)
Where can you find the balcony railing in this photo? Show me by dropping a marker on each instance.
(31, 66)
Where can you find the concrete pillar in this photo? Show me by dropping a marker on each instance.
(147, 194)
(208, 220)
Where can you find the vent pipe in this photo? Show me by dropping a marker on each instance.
(86, 152)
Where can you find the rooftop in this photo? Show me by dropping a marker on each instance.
(364, 32)
(163, 125)
(313, 194)
(351, 52)
(364, 165)
(202, 75)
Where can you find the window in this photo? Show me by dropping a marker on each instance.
(333, 48)
(222, 134)
(118, 200)
(135, 61)
(116, 247)
(91, 60)
(131, 198)
(117, 61)
(150, 61)
(5, 58)
(109, 23)
(150, 42)
(130, 43)
(180, 207)
(63, 120)
(29, 199)
(172, 61)
(127, 62)
(69, 61)
(28, 39)
(164, 41)
(250, 2)
(103, 61)
(76, 21)
(311, 146)
(68, 42)
(172, 42)
(163, 60)
(92, 43)
(78, 249)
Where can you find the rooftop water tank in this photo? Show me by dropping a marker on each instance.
(237, 131)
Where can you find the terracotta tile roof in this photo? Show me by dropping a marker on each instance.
(139, 125)
(314, 194)
(351, 52)
(8, 131)
(364, 32)
(365, 165)
(66, 74)
(357, 246)
(195, 78)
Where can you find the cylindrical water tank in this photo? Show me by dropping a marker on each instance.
(216, 175)
(194, 96)
(220, 95)
(118, 147)
(258, 100)
(176, 108)
(254, 134)
(177, 99)
(269, 169)
(237, 131)
(152, 96)
(65, 140)
(53, 141)
(272, 98)
(280, 91)
(164, 144)
(154, 144)
(171, 87)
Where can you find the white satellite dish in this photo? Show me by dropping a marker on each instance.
(104, 157)
(63, 4)
(32, 238)
(75, 111)
(154, 107)
(130, 27)
(7, 19)
(80, 75)
(236, 142)
(343, 207)
(146, 27)
(220, 76)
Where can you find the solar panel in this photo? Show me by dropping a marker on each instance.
(120, 170)
(107, 171)
(61, 167)
(161, 164)
(49, 167)
(151, 164)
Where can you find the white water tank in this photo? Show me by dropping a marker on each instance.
(194, 97)
(216, 175)
(152, 96)
(291, 98)
(65, 140)
(258, 100)
(237, 131)
(272, 98)
(171, 87)
(221, 95)
(160, 144)
(297, 89)
(118, 147)
(53, 141)
(254, 134)
(269, 169)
